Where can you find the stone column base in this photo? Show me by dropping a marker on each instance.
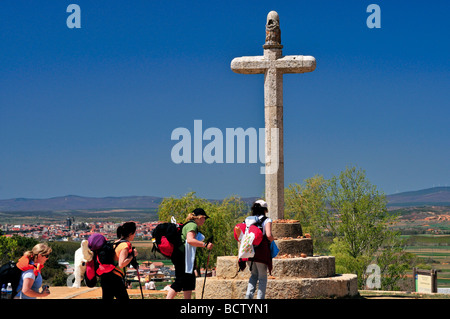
(310, 267)
(338, 286)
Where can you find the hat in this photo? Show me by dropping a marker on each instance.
(261, 202)
(200, 212)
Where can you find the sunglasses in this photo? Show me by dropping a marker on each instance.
(46, 256)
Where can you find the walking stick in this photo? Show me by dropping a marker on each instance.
(136, 266)
(207, 263)
(140, 285)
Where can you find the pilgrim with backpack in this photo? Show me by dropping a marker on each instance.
(183, 253)
(110, 261)
(24, 277)
(255, 237)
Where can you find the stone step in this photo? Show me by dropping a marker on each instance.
(310, 267)
(295, 246)
(280, 229)
(338, 286)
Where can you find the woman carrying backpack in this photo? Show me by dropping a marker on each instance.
(31, 264)
(262, 260)
(184, 273)
(113, 282)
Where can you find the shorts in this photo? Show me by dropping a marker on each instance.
(183, 281)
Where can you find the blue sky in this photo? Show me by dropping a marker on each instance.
(90, 111)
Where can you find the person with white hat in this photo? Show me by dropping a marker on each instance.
(262, 260)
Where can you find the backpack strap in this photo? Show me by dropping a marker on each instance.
(104, 268)
(117, 243)
(261, 220)
(24, 265)
(260, 223)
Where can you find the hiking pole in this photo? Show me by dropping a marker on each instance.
(207, 263)
(140, 285)
(136, 266)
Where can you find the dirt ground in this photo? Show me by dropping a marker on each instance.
(96, 293)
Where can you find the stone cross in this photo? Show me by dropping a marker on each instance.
(273, 65)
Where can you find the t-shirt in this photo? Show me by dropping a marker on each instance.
(188, 227)
(35, 287)
(120, 271)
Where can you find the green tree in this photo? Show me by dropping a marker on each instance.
(12, 248)
(394, 262)
(345, 263)
(8, 248)
(307, 204)
(223, 217)
(360, 221)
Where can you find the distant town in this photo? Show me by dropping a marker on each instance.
(74, 231)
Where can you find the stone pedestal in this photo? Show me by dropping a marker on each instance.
(289, 239)
(286, 229)
(293, 277)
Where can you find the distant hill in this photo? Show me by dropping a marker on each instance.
(72, 202)
(436, 196)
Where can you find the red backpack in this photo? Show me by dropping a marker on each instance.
(166, 237)
(254, 227)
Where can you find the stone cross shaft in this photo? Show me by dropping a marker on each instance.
(273, 65)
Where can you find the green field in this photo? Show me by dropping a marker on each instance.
(433, 252)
